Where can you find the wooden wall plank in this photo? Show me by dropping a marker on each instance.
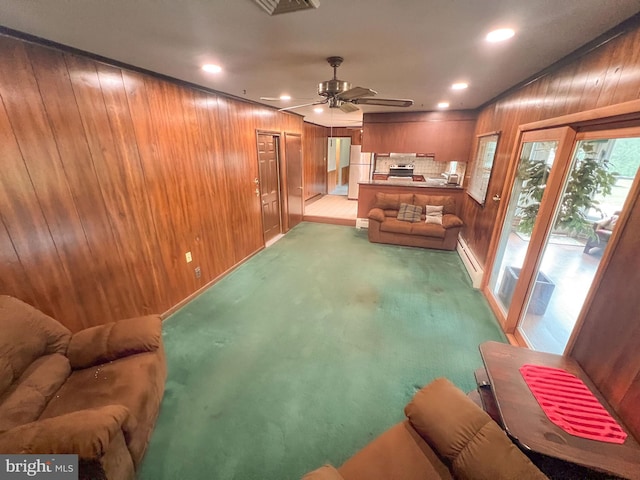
(609, 73)
(110, 176)
(44, 170)
(59, 102)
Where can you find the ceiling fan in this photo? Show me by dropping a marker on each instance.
(340, 94)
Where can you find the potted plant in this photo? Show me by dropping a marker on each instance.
(589, 177)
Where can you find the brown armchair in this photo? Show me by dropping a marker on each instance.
(602, 232)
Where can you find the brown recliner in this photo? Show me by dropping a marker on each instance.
(95, 393)
(445, 436)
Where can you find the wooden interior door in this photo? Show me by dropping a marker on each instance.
(269, 184)
(293, 155)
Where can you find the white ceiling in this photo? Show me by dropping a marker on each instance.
(402, 49)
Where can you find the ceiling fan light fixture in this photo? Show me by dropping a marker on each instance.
(459, 86)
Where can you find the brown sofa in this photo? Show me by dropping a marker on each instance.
(95, 393)
(384, 226)
(445, 436)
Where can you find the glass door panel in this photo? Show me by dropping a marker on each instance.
(536, 160)
(592, 197)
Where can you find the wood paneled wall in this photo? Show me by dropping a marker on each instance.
(110, 176)
(608, 75)
(606, 345)
(315, 160)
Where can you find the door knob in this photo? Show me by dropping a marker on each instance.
(497, 197)
(256, 181)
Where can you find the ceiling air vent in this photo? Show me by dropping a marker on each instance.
(275, 7)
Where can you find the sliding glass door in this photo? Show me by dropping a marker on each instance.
(523, 228)
(593, 195)
(568, 191)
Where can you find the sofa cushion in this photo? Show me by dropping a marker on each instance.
(27, 334)
(409, 212)
(326, 472)
(87, 433)
(392, 201)
(433, 214)
(397, 454)
(449, 203)
(393, 225)
(428, 230)
(462, 432)
(29, 395)
(137, 382)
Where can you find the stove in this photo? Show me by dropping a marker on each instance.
(401, 170)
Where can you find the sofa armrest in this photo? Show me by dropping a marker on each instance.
(376, 214)
(450, 221)
(111, 341)
(326, 472)
(86, 433)
(463, 433)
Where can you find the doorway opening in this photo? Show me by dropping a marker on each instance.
(268, 185)
(338, 155)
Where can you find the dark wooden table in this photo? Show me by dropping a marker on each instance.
(526, 423)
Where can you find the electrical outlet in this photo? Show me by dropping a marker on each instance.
(198, 272)
(188, 257)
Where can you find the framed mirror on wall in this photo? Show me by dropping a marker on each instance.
(482, 166)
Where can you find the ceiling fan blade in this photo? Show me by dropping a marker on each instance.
(348, 107)
(356, 92)
(303, 105)
(278, 99)
(384, 102)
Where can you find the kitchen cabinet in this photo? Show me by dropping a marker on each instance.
(449, 137)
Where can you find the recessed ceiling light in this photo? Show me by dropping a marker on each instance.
(459, 86)
(210, 68)
(285, 97)
(318, 110)
(443, 105)
(500, 35)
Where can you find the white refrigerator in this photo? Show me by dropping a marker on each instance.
(359, 169)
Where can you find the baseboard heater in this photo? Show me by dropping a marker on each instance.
(471, 263)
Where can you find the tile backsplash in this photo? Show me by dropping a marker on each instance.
(426, 166)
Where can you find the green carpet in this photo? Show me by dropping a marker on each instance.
(308, 351)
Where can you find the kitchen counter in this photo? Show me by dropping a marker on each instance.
(405, 183)
(367, 192)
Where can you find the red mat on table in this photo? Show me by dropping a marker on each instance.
(568, 403)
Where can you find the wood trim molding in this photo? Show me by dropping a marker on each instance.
(9, 32)
(609, 114)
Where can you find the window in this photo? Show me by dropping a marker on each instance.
(481, 171)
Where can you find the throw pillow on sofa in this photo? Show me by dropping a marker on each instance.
(434, 214)
(409, 213)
